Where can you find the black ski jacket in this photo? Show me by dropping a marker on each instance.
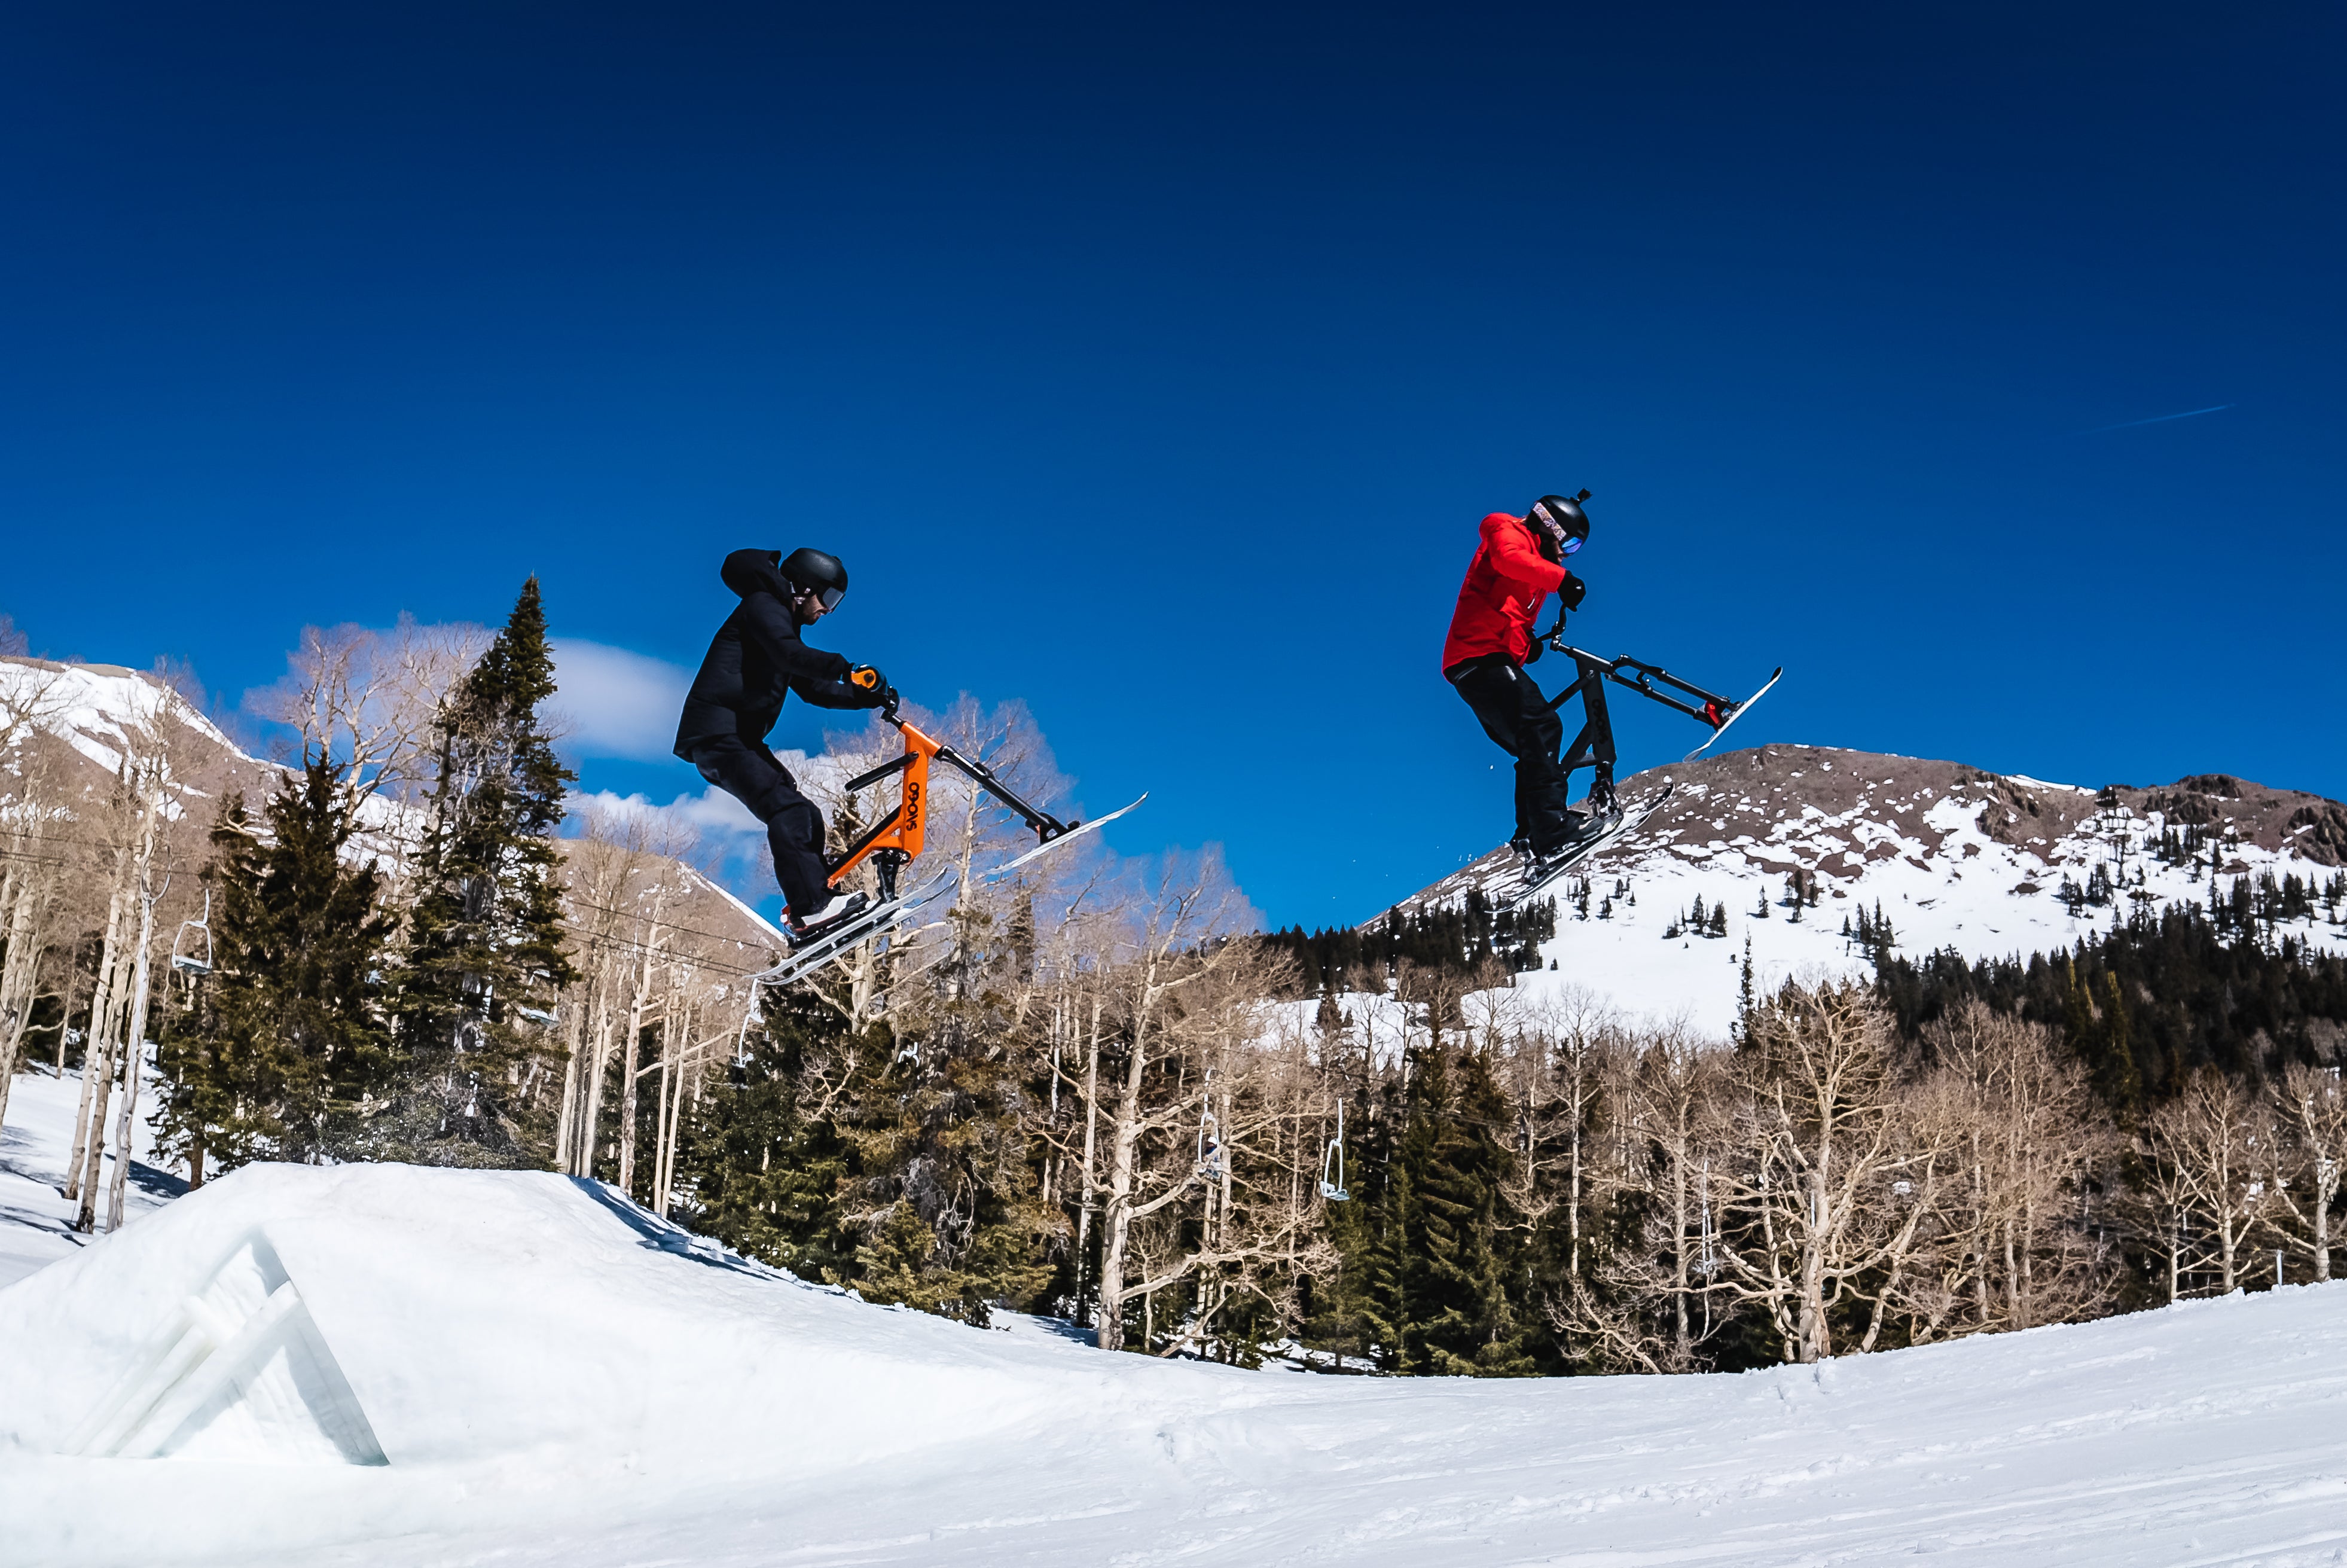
(756, 658)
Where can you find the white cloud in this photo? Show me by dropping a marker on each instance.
(712, 814)
(712, 830)
(617, 703)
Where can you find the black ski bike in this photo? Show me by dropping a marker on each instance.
(1610, 822)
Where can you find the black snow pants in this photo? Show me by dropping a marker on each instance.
(750, 774)
(1514, 714)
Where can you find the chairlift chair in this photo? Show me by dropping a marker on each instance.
(188, 963)
(1333, 1163)
(1209, 1166)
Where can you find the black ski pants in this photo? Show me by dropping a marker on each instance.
(1510, 706)
(748, 772)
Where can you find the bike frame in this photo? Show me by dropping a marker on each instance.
(1594, 747)
(896, 840)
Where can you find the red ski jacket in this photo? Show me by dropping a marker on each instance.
(1503, 593)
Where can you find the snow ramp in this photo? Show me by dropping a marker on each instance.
(388, 1365)
(537, 1336)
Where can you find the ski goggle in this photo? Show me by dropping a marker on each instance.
(1568, 543)
(829, 598)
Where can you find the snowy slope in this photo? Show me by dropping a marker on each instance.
(36, 1222)
(474, 1366)
(94, 708)
(1956, 858)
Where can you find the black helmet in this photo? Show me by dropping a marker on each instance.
(818, 573)
(1562, 520)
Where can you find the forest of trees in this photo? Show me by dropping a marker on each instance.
(1103, 1096)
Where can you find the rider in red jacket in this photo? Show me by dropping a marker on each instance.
(1518, 563)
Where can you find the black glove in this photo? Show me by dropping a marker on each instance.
(1538, 648)
(1570, 591)
(867, 678)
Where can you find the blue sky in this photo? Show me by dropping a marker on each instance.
(1154, 365)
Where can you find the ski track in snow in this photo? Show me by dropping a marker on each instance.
(556, 1377)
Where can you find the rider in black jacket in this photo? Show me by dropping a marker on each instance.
(755, 660)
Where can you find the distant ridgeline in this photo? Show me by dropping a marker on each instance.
(2157, 997)
(1456, 941)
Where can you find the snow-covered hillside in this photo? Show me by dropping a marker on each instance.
(93, 708)
(384, 1364)
(87, 714)
(36, 1221)
(1954, 856)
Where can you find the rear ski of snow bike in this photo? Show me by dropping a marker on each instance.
(896, 841)
(1539, 874)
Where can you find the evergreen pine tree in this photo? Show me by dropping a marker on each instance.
(765, 1177)
(286, 1044)
(2099, 1039)
(1439, 1298)
(1741, 1030)
(212, 1112)
(485, 959)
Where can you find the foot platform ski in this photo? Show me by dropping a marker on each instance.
(1542, 872)
(844, 936)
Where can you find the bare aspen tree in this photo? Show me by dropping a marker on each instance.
(118, 1028)
(2305, 1164)
(1258, 1232)
(2012, 1248)
(1638, 1309)
(623, 875)
(1575, 1037)
(135, 1042)
(1818, 1138)
(36, 860)
(1172, 954)
(628, 1075)
(2208, 1148)
(367, 699)
(1672, 1090)
(130, 830)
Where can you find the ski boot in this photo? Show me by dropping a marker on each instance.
(837, 907)
(1591, 817)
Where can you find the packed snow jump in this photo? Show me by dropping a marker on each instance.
(755, 660)
(1518, 563)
